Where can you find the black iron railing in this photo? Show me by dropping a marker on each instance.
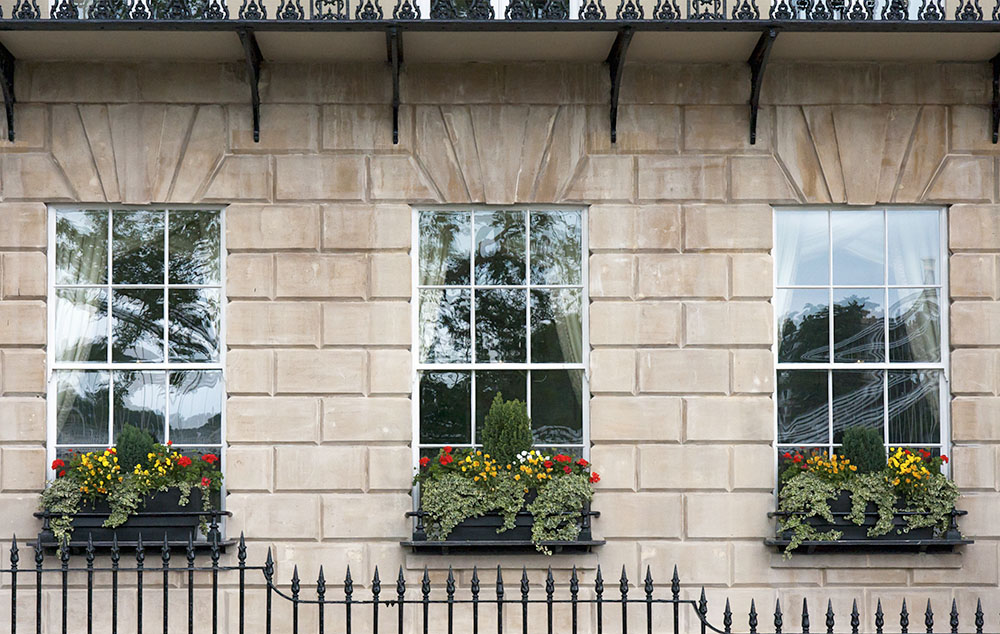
(486, 604)
(368, 11)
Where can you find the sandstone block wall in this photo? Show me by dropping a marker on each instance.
(318, 229)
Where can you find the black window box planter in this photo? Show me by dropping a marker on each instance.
(855, 537)
(161, 518)
(479, 534)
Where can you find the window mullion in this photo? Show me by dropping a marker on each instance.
(110, 345)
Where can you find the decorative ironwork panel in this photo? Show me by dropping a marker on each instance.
(462, 10)
(630, 10)
(746, 10)
(406, 10)
(931, 10)
(666, 10)
(368, 10)
(969, 10)
(65, 10)
(176, 10)
(26, 10)
(537, 10)
(253, 10)
(896, 10)
(328, 10)
(706, 9)
(216, 10)
(593, 10)
(290, 10)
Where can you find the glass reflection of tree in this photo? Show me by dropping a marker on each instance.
(858, 395)
(808, 338)
(138, 258)
(500, 325)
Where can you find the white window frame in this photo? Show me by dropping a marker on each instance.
(54, 366)
(584, 286)
(944, 365)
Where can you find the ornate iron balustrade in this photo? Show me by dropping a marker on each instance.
(742, 11)
(488, 603)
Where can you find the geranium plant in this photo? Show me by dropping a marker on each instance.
(910, 485)
(125, 478)
(459, 484)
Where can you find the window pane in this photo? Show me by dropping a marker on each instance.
(194, 324)
(196, 407)
(500, 325)
(137, 247)
(445, 407)
(140, 401)
(137, 325)
(81, 329)
(194, 247)
(500, 248)
(914, 406)
(803, 407)
(803, 325)
(914, 325)
(914, 247)
(858, 324)
(802, 248)
(557, 406)
(858, 399)
(445, 247)
(858, 247)
(81, 247)
(556, 247)
(556, 326)
(511, 384)
(444, 326)
(81, 407)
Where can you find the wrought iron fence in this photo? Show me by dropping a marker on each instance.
(488, 603)
(375, 11)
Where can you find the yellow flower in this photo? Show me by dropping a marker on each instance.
(517, 476)
(475, 479)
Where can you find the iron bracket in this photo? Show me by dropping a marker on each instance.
(616, 64)
(394, 52)
(995, 110)
(7, 85)
(758, 62)
(254, 58)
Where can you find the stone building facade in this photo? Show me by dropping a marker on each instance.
(319, 379)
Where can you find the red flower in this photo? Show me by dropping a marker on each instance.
(594, 478)
(446, 459)
(568, 469)
(925, 454)
(184, 461)
(797, 458)
(170, 443)
(944, 458)
(61, 473)
(582, 463)
(447, 449)
(425, 461)
(210, 458)
(206, 482)
(562, 458)
(786, 456)
(57, 464)
(548, 464)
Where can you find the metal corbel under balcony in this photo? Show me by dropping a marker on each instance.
(616, 64)
(254, 58)
(758, 62)
(7, 85)
(394, 51)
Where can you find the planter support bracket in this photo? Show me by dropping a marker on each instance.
(254, 58)
(7, 84)
(616, 64)
(758, 62)
(995, 110)
(394, 51)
